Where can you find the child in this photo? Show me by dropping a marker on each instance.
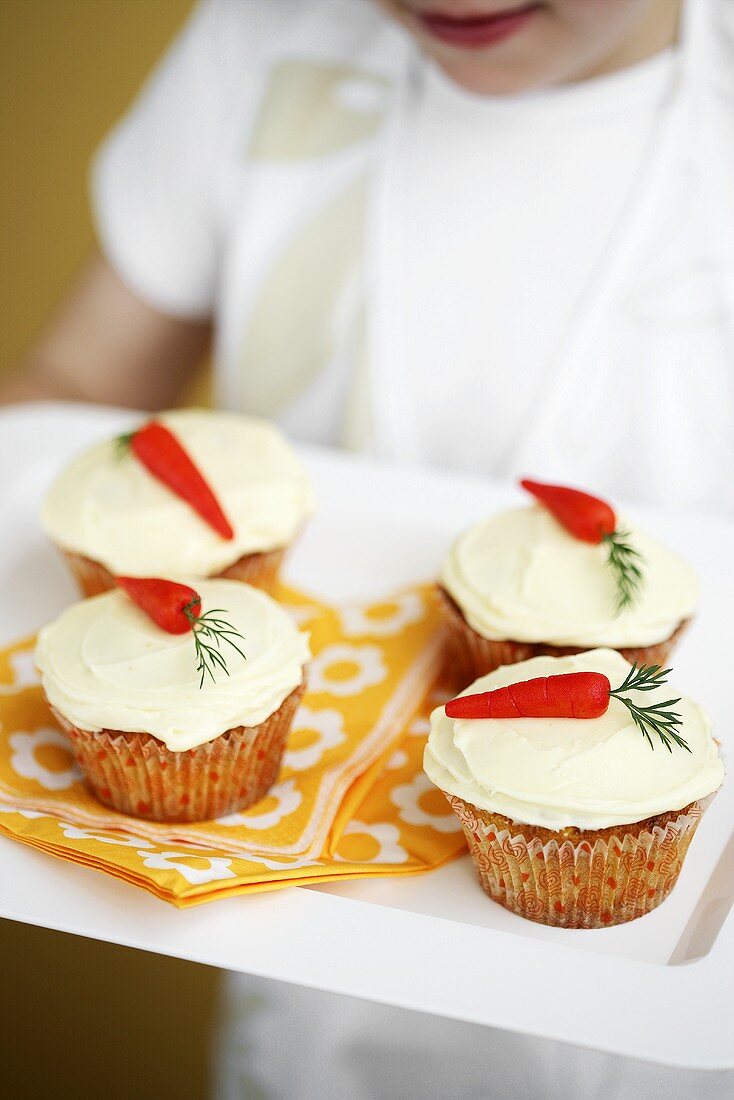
(494, 242)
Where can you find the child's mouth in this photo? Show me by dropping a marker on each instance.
(474, 32)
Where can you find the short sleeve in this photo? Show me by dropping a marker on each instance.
(153, 180)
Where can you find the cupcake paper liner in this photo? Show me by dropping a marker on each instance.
(92, 577)
(574, 878)
(136, 774)
(260, 570)
(470, 655)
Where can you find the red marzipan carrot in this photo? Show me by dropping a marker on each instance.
(172, 606)
(579, 695)
(176, 608)
(584, 516)
(162, 454)
(570, 695)
(593, 520)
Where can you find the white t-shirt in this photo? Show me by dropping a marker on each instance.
(505, 205)
(459, 281)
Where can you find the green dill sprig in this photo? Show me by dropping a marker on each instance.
(657, 718)
(624, 561)
(209, 632)
(123, 443)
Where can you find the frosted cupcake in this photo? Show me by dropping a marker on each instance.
(520, 584)
(580, 822)
(184, 723)
(134, 506)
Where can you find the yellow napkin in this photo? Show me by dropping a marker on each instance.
(351, 800)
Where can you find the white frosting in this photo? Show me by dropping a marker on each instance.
(105, 665)
(521, 576)
(111, 509)
(559, 772)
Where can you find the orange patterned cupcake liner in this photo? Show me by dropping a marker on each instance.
(136, 774)
(574, 878)
(260, 570)
(470, 655)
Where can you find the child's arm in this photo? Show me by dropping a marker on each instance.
(106, 344)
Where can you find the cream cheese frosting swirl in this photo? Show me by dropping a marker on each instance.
(105, 665)
(560, 772)
(521, 576)
(111, 509)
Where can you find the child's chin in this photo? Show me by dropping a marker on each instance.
(483, 75)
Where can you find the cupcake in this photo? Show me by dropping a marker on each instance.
(520, 585)
(579, 822)
(175, 726)
(138, 506)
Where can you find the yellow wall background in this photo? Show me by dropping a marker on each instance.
(68, 70)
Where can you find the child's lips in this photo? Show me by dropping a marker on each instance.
(474, 32)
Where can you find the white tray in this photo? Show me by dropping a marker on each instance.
(433, 942)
